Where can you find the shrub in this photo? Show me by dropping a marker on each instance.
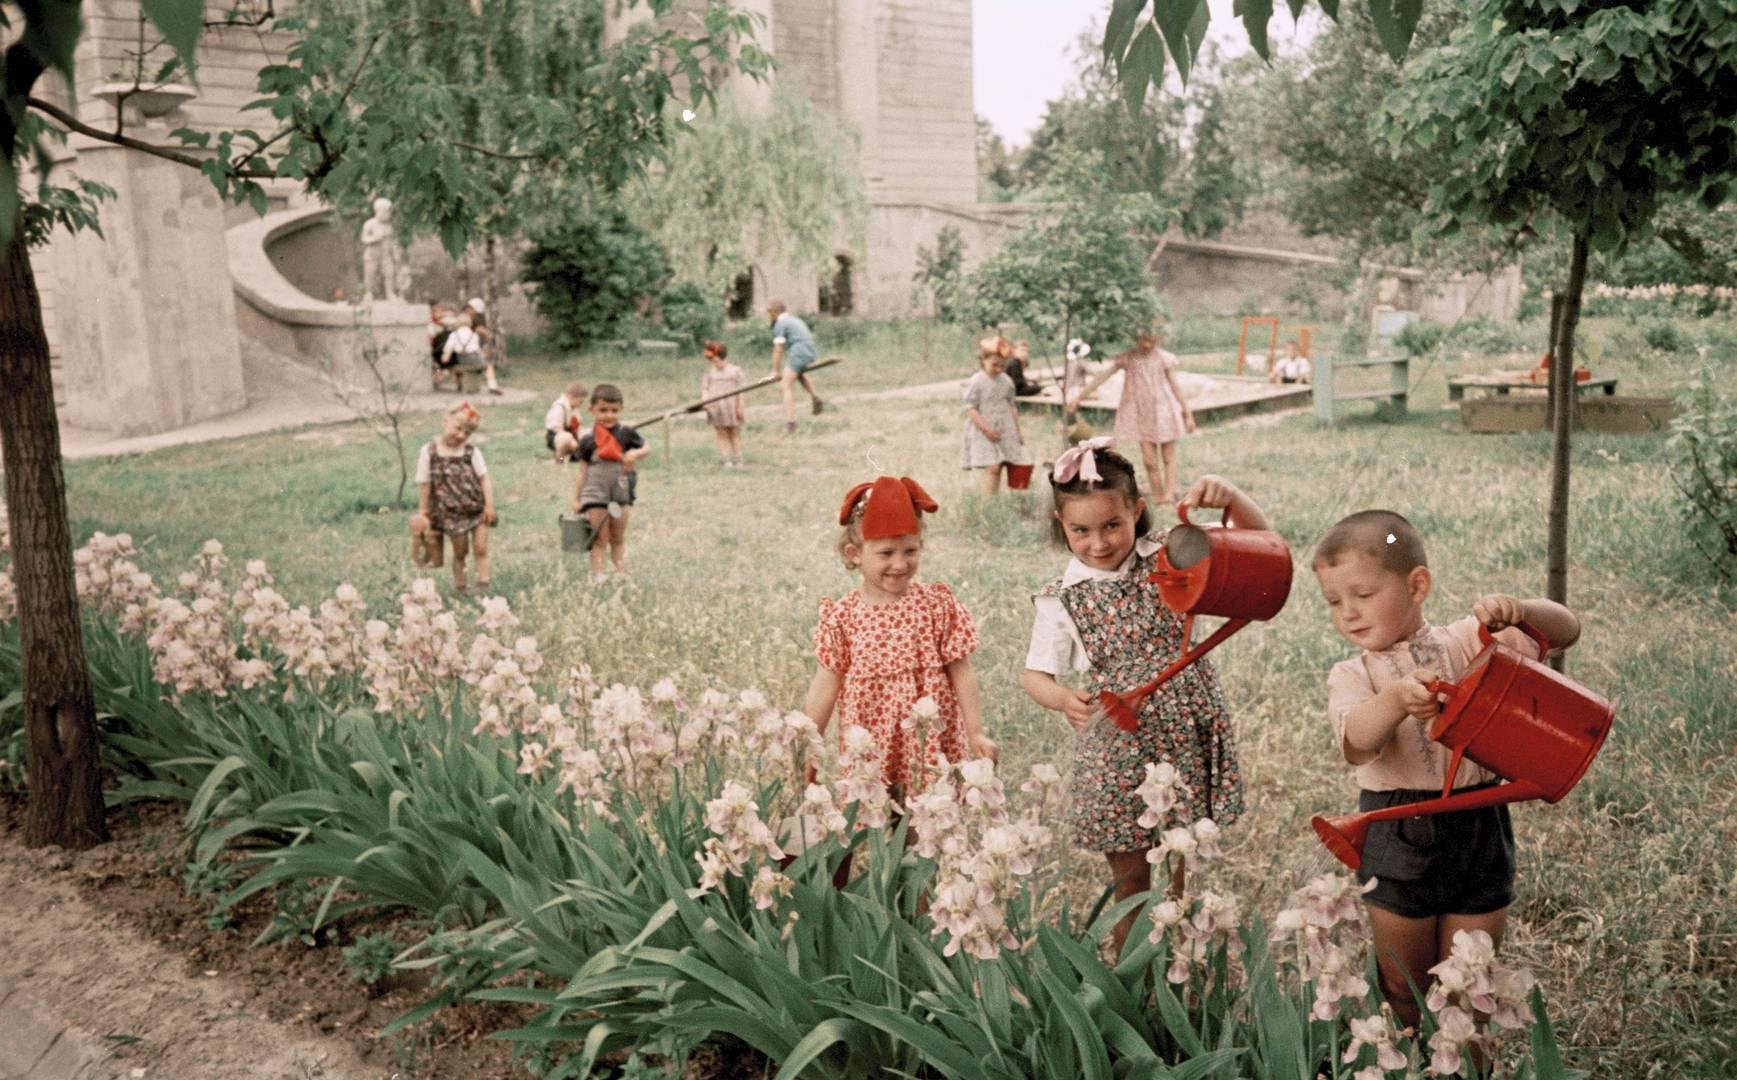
(689, 315)
(1420, 337)
(1704, 465)
(1492, 337)
(1663, 335)
(591, 273)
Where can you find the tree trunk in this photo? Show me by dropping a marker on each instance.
(1562, 395)
(497, 343)
(66, 798)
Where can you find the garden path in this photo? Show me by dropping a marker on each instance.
(93, 998)
(279, 396)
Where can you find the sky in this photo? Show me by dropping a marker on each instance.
(1023, 52)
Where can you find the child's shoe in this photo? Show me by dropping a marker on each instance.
(817, 406)
(598, 577)
(789, 427)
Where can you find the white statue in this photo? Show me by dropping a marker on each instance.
(380, 254)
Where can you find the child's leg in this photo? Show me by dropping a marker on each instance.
(736, 443)
(1172, 483)
(1405, 950)
(992, 480)
(435, 553)
(598, 517)
(618, 539)
(1154, 474)
(480, 546)
(460, 549)
(1132, 875)
(722, 435)
(565, 446)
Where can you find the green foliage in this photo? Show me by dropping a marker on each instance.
(1594, 114)
(691, 315)
(1136, 45)
(1663, 335)
(1215, 188)
(940, 275)
(1704, 465)
(591, 272)
(369, 960)
(742, 184)
(1078, 266)
(998, 178)
(1420, 337)
(1690, 245)
(1136, 153)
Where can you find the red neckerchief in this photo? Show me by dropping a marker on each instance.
(608, 449)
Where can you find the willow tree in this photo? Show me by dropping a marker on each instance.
(1580, 117)
(778, 182)
(352, 110)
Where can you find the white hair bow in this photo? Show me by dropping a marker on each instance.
(1080, 461)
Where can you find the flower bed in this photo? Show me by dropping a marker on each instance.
(650, 871)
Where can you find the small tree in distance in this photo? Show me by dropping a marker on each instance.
(1078, 267)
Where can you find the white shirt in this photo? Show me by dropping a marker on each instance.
(422, 464)
(558, 415)
(1056, 646)
(462, 340)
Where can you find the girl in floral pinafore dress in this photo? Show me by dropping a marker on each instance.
(456, 498)
(1103, 617)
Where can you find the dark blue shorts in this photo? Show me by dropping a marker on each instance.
(1458, 863)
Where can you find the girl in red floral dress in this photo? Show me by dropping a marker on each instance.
(895, 640)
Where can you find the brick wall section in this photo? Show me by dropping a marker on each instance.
(927, 132)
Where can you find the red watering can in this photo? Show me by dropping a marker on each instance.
(1239, 574)
(1532, 726)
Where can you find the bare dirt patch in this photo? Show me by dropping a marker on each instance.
(108, 941)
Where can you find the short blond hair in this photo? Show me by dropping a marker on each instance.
(576, 390)
(775, 308)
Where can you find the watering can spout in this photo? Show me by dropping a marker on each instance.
(1344, 835)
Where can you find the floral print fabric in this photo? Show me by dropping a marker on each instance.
(890, 655)
(1130, 637)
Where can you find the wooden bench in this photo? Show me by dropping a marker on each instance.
(1502, 383)
(1327, 396)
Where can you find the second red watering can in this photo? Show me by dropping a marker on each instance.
(1528, 724)
(1238, 574)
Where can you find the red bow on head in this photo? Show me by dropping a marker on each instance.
(469, 412)
(890, 507)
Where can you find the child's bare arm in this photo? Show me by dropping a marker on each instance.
(1215, 492)
(1077, 705)
(631, 456)
(423, 492)
(1181, 399)
(1092, 385)
(1549, 618)
(822, 696)
(1369, 726)
(488, 489)
(965, 686)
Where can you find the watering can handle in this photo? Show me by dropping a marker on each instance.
(1537, 636)
(1182, 513)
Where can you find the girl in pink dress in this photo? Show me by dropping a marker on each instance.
(894, 640)
(1152, 411)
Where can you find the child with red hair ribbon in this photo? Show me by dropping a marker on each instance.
(894, 641)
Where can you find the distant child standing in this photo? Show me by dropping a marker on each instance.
(1441, 873)
(726, 416)
(561, 423)
(991, 437)
(1103, 617)
(456, 496)
(607, 484)
(895, 639)
(1153, 411)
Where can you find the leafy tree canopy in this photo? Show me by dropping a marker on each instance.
(782, 183)
(1077, 268)
(1593, 113)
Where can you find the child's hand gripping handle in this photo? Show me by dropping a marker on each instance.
(1451, 689)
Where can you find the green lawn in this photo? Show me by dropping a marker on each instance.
(1624, 906)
